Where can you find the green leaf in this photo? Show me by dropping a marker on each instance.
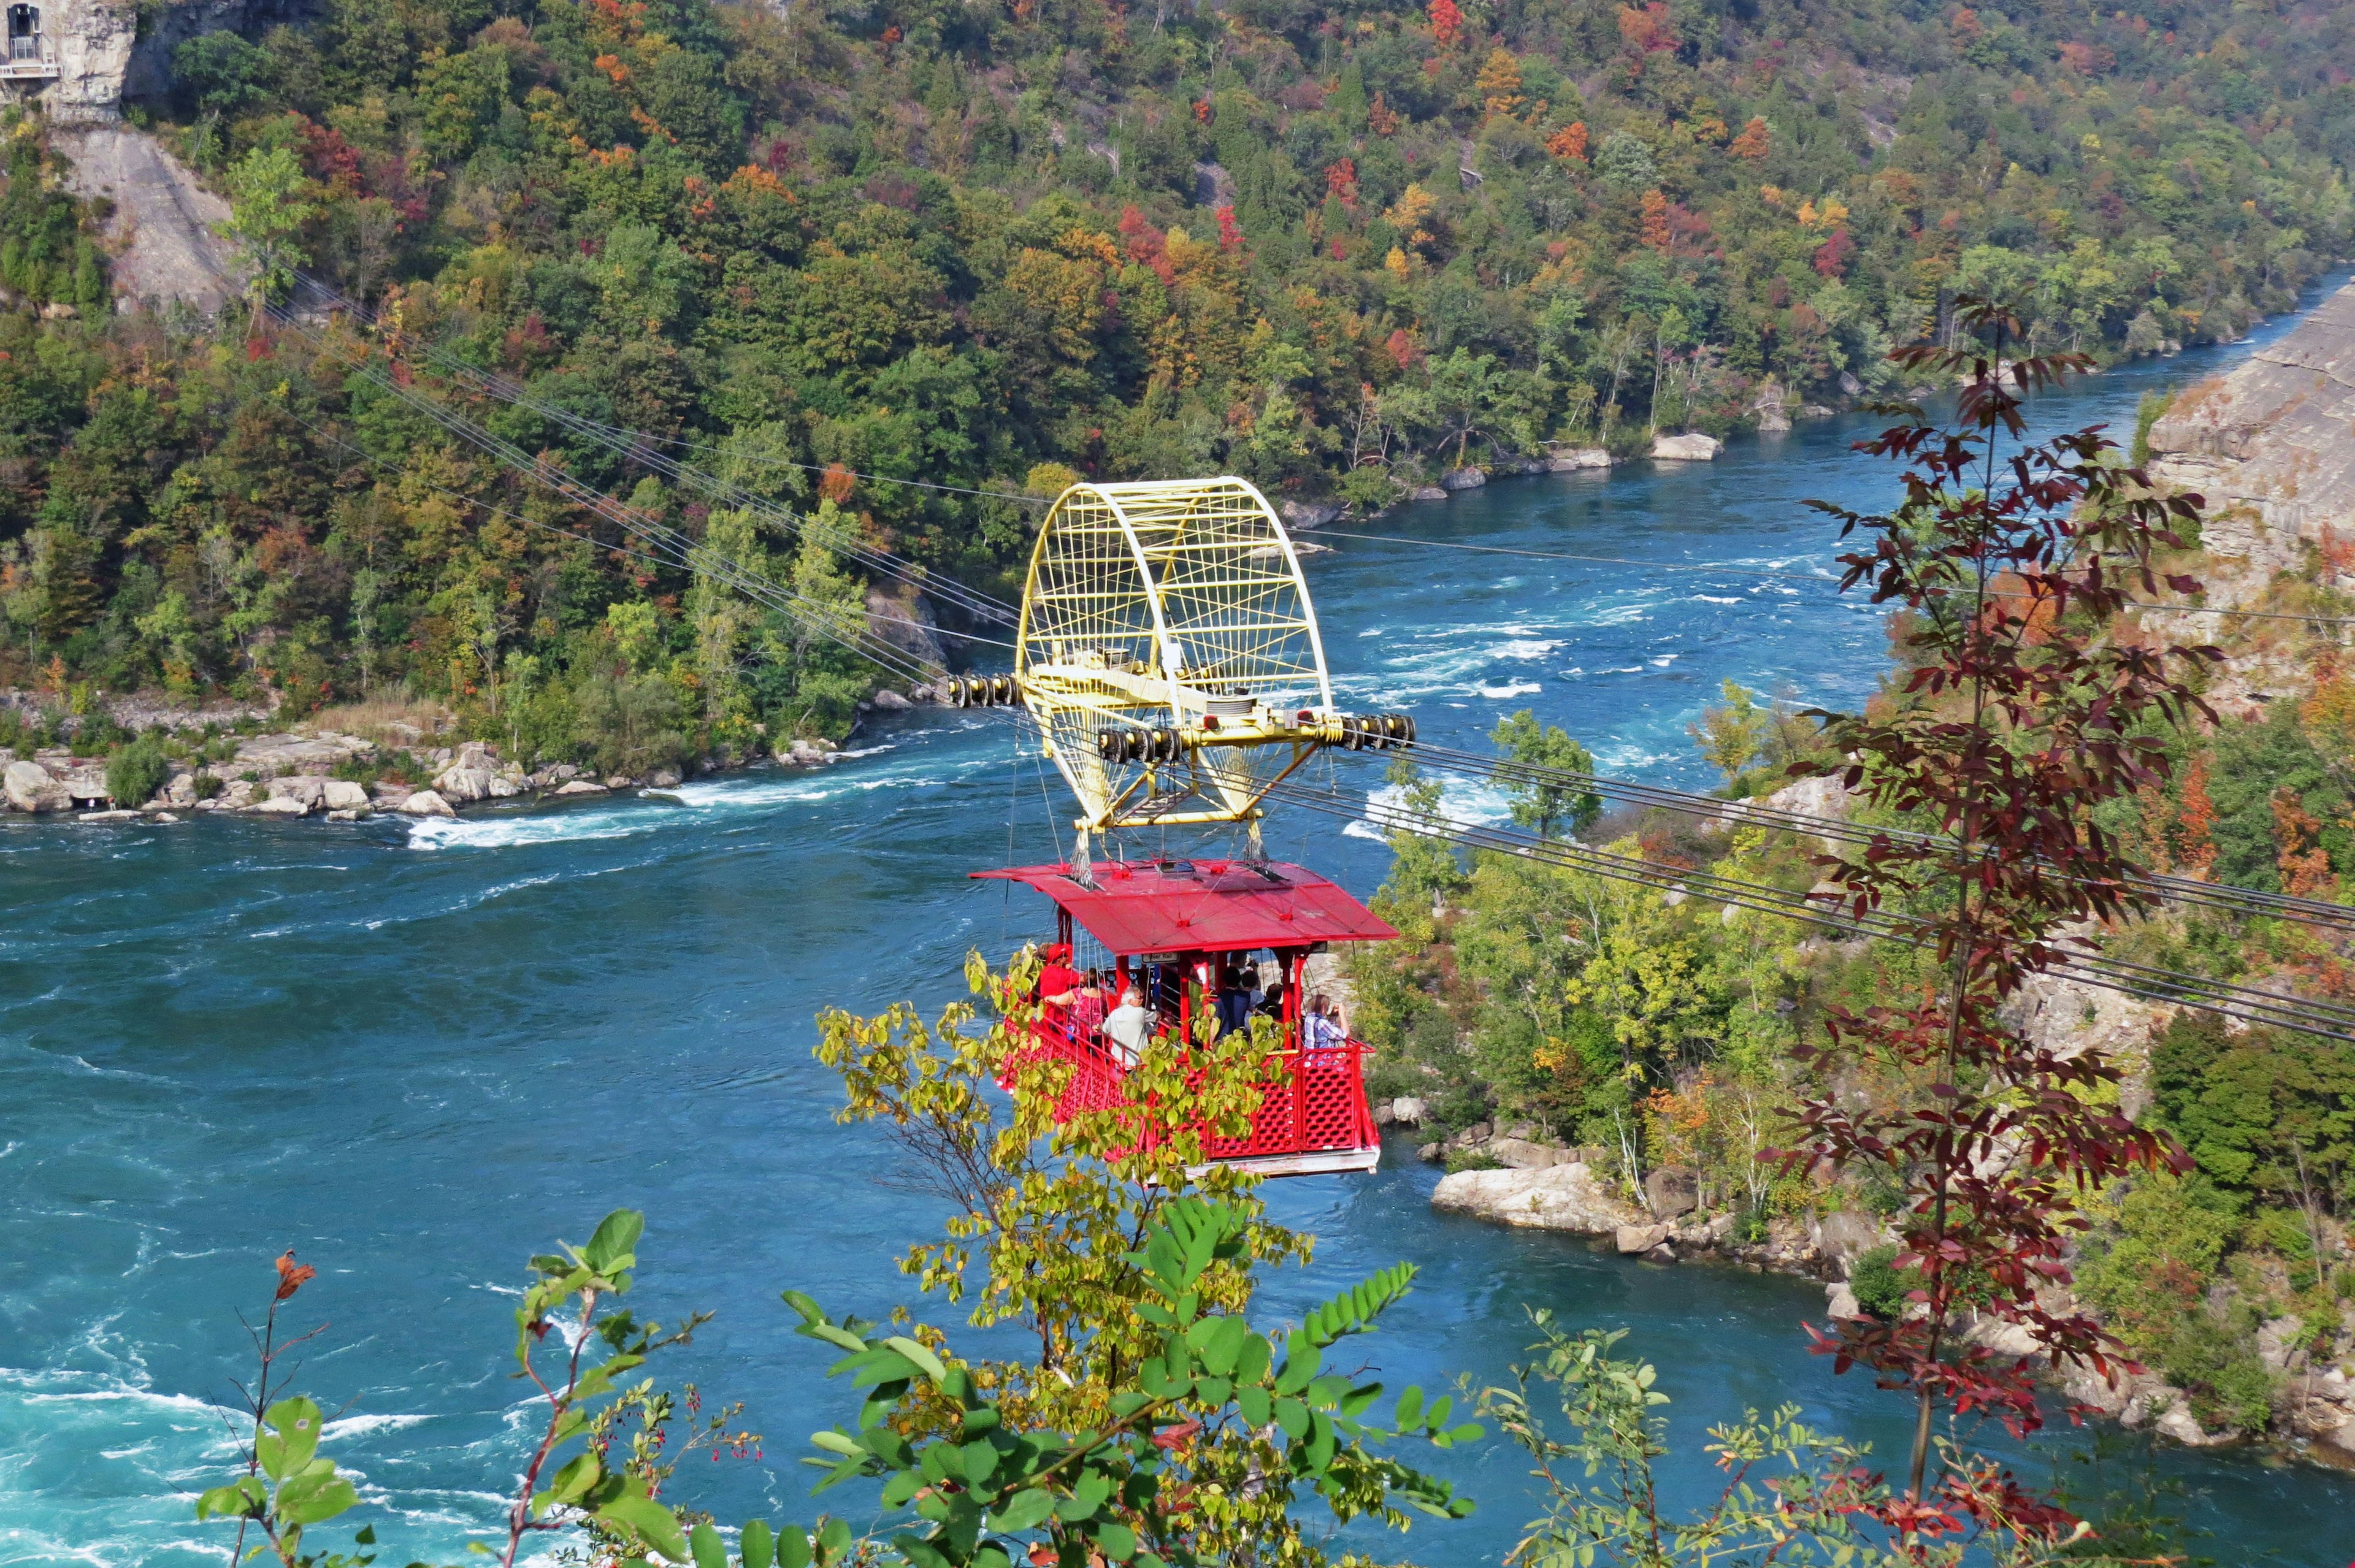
(759, 1544)
(978, 1460)
(1302, 1359)
(922, 1359)
(648, 1520)
(1088, 1495)
(1153, 1379)
(290, 1436)
(1213, 1391)
(814, 1324)
(1024, 1510)
(1436, 1417)
(1224, 1352)
(792, 1547)
(308, 1498)
(833, 1539)
(1115, 1541)
(1409, 1409)
(1256, 1404)
(1321, 1442)
(243, 1499)
(836, 1443)
(1166, 1260)
(992, 1555)
(570, 1482)
(1292, 1416)
(902, 1487)
(709, 1550)
(613, 1248)
(922, 1553)
(1252, 1365)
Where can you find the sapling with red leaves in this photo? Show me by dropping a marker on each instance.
(2019, 718)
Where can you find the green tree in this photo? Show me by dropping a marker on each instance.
(270, 199)
(1540, 799)
(1733, 736)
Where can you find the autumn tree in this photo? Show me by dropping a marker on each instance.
(2018, 720)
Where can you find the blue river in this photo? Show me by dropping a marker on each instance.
(417, 1053)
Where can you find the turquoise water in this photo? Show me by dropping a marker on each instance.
(416, 1052)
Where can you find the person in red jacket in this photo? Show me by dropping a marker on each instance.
(1059, 986)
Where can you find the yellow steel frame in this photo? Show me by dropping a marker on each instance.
(1177, 607)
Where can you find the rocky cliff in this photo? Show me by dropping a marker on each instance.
(2272, 444)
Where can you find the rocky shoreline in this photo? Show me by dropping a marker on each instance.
(1509, 1176)
(334, 776)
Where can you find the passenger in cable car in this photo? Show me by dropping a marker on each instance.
(1127, 1027)
(1090, 1004)
(1320, 1027)
(1272, 1005)
(1059, 986)
(1234, 999)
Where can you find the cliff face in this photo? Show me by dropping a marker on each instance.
(2272, 444)
(100, 52)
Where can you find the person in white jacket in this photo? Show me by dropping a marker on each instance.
(1128, 1026)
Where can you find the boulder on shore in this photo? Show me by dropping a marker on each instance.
(1671, 1190)
(1577, 458)
(425, 802)
(1463, 479)
(279, 805)
(1426, 493)
(1525, 1154)
(1845, 1235)
(30, 786)
(1690, 447)
(1635, 1240)
(1555, 1198)
(579, 787)
(311, 793)
(460, 784)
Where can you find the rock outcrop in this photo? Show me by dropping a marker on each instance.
(1690, 447)
(30, 786)
(1577, 458)
(2268, 444)
(1552, 1198)
(906, 621)
(162, 233)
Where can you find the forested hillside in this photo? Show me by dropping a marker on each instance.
(1335, 248)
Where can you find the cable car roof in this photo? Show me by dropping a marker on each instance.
(1202, 906)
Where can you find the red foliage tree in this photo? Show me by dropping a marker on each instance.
(1649, 31)
(1752, 144)
(1446, 21)
(1231, 234)
(1654, 230)
(2007, 742)
(1341, 179)
(1832, 255)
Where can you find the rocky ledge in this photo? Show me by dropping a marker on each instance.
(1524, 1181)
(290, 774)
(1515, 1178)
(2267, 444)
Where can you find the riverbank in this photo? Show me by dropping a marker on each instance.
(224, 758)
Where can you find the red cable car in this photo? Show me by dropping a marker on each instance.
(1173, 927)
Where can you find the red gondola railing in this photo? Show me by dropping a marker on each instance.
(1307, 1108)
